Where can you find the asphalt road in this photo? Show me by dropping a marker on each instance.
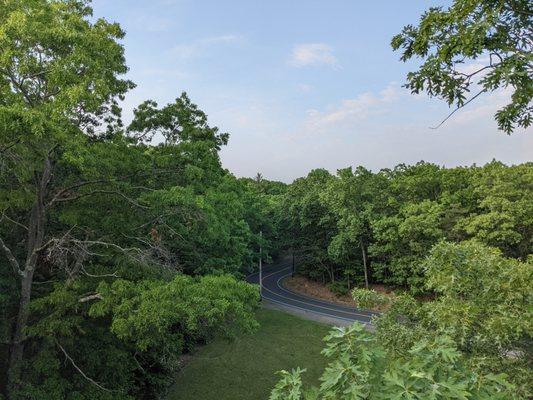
(273, 291)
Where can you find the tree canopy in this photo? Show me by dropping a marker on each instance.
(121, 246)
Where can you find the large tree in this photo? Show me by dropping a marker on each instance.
(97, 218)
(496, 35)
(59, 78)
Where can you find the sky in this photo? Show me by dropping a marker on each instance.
(303, 84)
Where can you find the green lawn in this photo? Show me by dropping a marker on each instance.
(245, 369)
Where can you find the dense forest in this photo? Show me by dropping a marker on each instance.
(124, 246)
(360, 227)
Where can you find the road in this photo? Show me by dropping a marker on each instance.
(273, 291)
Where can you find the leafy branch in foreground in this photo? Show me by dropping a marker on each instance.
(474, 46)
(361, 368)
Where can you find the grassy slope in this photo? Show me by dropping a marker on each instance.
(245, 369)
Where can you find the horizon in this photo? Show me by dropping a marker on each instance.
(300, 88)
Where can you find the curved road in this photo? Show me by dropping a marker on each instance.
(273, 291)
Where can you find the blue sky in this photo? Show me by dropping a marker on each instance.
(302, 84)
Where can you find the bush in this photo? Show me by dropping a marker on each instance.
(369, 298)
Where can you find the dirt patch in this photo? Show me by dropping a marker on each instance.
(307, 287)
(302, 285)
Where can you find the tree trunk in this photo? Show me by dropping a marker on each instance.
(365, 268)
(34, 243)
(17, 343)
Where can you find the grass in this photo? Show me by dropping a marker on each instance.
(245, 368)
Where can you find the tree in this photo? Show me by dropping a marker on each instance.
(403, 240)
(100, 224)
(350, 197)
(310, 224)
(472, 340)
(493, 33)
(503, 217)
(59, 78)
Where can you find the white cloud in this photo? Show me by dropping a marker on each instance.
(199, 47)
(313, 54)
(350, 111)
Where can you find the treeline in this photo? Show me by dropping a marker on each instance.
(358, 227)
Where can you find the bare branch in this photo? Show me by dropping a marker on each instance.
(472, 74)
(13, 221)
(113, 275)
(80, 371)
(78, 264)
(457, 109)
(95, 296)
(106, 244)
(12, 260)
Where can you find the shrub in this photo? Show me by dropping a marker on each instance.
(369, 298)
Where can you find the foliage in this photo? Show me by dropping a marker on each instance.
(369, 298)
(361, 368)
(137, 330)
(382, 225)
(504, 218)
(483, 303)
(496, 35)
(289, 386)
(102, 223)
(472, 340)
(190, 310)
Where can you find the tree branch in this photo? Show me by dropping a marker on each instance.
(457, 109)
(96, 296)
(59, 194)
(80, 371)
(93, 192)
(12, 260)
(113, 275)
(13, 221)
